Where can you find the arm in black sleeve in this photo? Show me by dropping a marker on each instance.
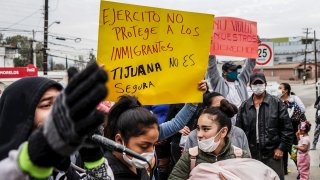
(317, 102)
(286, 129)
(239, 121)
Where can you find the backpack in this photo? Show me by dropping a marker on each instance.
(193, 152)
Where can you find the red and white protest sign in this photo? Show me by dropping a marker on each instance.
(18, 72)
(234, 37)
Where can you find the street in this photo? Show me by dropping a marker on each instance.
(307, 95)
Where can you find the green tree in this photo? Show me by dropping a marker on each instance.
(24, 45)
(24, 48)
(39, 55)
(18, 62)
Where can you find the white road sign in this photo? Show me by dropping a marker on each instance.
(265, 53)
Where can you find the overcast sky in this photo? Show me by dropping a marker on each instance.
(79, 18)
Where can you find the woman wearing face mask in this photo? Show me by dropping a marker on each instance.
(236, 135)
(213, 143)
(286, 93)
(136, 128)
(296, 111)
(129, 169)
(295, 115)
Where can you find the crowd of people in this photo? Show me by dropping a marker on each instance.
(46, 130)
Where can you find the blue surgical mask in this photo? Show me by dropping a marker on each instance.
(232, 75)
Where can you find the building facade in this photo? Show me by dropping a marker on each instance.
(292, 49)
(7, 54)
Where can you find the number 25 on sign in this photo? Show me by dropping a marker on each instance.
(265, 54)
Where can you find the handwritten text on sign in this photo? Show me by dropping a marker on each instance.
(158, 55)
(234, 37)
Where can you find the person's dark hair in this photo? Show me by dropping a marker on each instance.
(229, 109)
(306, 126)
(225, 106)
(129, 118)
(288, 88)
(208, 97)
(220, 118)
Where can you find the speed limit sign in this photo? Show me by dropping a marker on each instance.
(265, 54)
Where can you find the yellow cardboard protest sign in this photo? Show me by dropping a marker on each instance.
(158, 55)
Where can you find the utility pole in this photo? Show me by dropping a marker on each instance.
(51, 63)
(45, 37)
(31, 51)
(34, 61)
(66, 63)
(305, 57)
(315, 61)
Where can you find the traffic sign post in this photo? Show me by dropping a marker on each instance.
(318, 87)
(265, 55)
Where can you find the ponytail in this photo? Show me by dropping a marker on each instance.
(128, 118)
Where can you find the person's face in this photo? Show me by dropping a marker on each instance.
(302, 132)
(282, 89)
(208, 128)
(44, 106)
(144, 143)
(232, 70)
(258, 87)
(216, 101)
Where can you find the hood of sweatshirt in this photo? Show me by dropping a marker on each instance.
(17, 110)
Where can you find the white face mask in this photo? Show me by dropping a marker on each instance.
(208, 145)
(279, 93)
(137, 162)
(258, 89)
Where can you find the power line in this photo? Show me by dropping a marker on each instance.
(75, 60)
(68, 52)
(24, 18)
(50, 34)
(76, 47)
(17, 3)
(4, 23)
(71, 36)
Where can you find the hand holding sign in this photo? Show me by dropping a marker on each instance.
(259, 40)
(202, 86)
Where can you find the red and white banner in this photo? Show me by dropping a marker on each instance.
(234, 37)
(18, 72)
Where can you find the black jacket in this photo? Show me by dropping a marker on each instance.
(317, 106)
(122, 172)
(17, 109)
(275, 127)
